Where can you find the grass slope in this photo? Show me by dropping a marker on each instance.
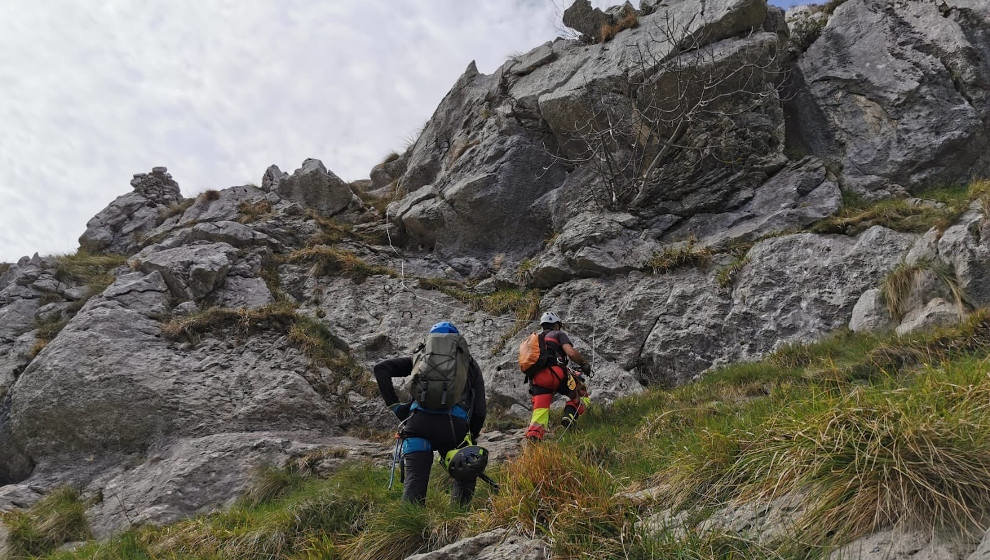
(878, 430)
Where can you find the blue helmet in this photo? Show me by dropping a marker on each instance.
(444, 327)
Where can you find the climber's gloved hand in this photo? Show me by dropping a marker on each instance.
(401, 410)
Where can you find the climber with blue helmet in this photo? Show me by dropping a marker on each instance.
(445, 412)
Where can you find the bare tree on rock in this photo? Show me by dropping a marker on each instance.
(687, 110)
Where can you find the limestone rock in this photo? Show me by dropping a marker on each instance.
(965, 246)
(792, 199)
(111, 357)
(272, 177)
(240, 292)
(763, 521)
(190, 476)
(499, 544)
(191, 271)
(118, 228)
(905, 544)
(312, 186)
(388, 171)
(922, 119)
(935, 313)
(870, 313)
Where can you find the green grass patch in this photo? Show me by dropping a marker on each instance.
(858, 215)
(57, 519)
(679, 256)
(93, 270)
(330, 261)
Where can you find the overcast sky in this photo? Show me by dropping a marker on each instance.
(216, 90)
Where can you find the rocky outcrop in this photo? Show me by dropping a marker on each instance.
(311, 186)
(903, 90)
(120, 226)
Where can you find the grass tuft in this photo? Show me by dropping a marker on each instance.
(237, 322)
(400, 530)
(902, 281)
(858, 215)
(680, 256)
(726, 275)
(329, 261)
(57, 519)
(331, 231)
(629, 20)
(93, 270)
(210, 195)
(252, 211)
(269, 483)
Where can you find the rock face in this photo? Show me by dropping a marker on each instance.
(696, 255)
(902, 87)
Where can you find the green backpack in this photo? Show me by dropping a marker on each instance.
(440, 371)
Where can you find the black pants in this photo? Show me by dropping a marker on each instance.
(444, 433)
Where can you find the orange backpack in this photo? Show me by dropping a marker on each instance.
(534, 355)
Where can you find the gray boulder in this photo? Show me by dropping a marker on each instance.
(190, 476)
(870, 313)
(499, 544)
(112, 356)
(966, 248)
(312, 186)
(120, 227)
(191, 271)
(936, 312)
(923, 118)
(388, 171)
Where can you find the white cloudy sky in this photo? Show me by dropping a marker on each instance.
(216, 90)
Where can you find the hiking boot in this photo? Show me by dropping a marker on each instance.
(536, 433)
